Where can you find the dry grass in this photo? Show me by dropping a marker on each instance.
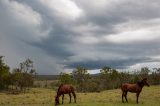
(150, 96)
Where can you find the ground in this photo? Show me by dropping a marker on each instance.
(150, 96)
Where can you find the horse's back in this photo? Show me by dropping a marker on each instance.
(66, 88)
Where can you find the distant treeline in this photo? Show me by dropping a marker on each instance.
(25, 76)
(108, 78)
(18, 79)
(47, 77)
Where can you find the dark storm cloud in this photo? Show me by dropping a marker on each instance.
(68, 33)
(54, 46)
(117, 64)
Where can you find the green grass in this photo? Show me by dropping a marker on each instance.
(150, 96)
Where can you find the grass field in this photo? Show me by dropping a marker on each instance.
(150, 96)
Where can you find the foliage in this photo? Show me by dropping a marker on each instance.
(144, 72)
(81, 76)
(4, 74)
(21, 77)
(65, 78)
(107, 79)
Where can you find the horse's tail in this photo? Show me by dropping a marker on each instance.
(122, 86)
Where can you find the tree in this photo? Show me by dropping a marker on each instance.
(27, 66)
(156, 76)
(23, 76)
(65, 78)
(105, 73)
(157, 70)
(144, 72)
(81, 76)
(4, 74)
(124, 77)
(106, 70)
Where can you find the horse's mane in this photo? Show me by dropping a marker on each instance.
(140, 83)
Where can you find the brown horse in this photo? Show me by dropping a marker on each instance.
(65, 89)
(134, 88)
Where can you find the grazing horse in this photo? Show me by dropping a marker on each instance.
(133, 88)
(65, 89)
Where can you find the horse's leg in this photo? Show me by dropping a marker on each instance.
(70, 97)
(137, 96)
(122, 96)
(73, 93)
(126, 96)
(62, 98)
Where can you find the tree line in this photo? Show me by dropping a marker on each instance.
(108, 78)
(19, 79)
(23, 77)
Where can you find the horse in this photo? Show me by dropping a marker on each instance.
(133, 88)
(65, 89)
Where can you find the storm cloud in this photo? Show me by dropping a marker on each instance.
(62, 34)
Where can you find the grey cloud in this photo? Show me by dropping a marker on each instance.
(54, 43)
(117, 64)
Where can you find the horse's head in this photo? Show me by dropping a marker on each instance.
(144, 81)
(56, 100)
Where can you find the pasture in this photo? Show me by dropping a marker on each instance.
(150, 96)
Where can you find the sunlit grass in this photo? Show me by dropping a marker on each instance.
(150, 96)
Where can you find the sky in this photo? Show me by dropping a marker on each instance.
(59, 35)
